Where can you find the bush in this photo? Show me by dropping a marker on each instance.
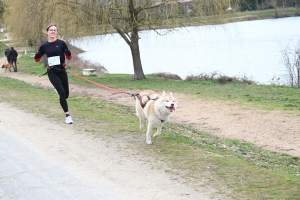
(219, 78)
(168, 76)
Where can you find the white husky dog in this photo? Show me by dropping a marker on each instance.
(156, 109)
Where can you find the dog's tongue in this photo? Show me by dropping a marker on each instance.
(171, 109)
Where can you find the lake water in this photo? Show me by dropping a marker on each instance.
(251, 49)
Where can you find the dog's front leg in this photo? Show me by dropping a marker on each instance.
(148, 134)
(158, 132)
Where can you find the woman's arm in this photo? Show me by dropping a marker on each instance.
(67, 52)
(38, 56)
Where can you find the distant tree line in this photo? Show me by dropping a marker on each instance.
(252, 5)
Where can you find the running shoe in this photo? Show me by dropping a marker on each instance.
(69, 120)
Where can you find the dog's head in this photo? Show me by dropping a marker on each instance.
(168, 102)
(6, 65)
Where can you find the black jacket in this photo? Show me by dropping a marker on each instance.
(55, 48)
(13, 54)
(6, 53)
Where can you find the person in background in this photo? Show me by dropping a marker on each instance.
(6, 53)
(56, 51)
(13, 55)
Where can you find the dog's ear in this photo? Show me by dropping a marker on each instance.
(163, 93)
(171, 94)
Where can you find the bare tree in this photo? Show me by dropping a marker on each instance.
(126, 17)
(297, 2)
(291, 60)
(284, 5)
(260, 4)
(258, 7)
(274, 4)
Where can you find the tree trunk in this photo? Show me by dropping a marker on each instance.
(297, 63)
(136, 56)
(298, 77)
(276, 9)
(134, 43)
(297, 8)
(257, 5)
(283, 7)
(137, 64)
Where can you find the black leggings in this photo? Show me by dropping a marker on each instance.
(13, 61)
(60, 82)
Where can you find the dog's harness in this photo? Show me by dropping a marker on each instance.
(139, 97)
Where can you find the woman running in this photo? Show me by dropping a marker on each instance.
(56, 51)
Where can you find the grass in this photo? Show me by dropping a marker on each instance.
(2, 46)
(199, 158)
(270, 97)
(236, 169)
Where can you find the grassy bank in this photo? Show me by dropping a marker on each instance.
(271, 97)
(236, 169)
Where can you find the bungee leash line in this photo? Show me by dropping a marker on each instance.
(103, 86)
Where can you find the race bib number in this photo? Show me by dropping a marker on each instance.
(55, 60)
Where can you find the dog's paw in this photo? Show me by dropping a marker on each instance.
(148, 141)
(155, 135)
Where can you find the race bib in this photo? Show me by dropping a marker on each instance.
(55, 60)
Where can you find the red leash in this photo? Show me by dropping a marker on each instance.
(103, 86)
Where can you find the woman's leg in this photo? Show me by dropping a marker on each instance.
(57, 82)
(14, 64)
(16, 67)
(65, 83)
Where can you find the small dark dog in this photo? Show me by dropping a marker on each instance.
(7, 67)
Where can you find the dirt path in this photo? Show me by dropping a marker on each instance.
(272, 130)
(107, 170)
